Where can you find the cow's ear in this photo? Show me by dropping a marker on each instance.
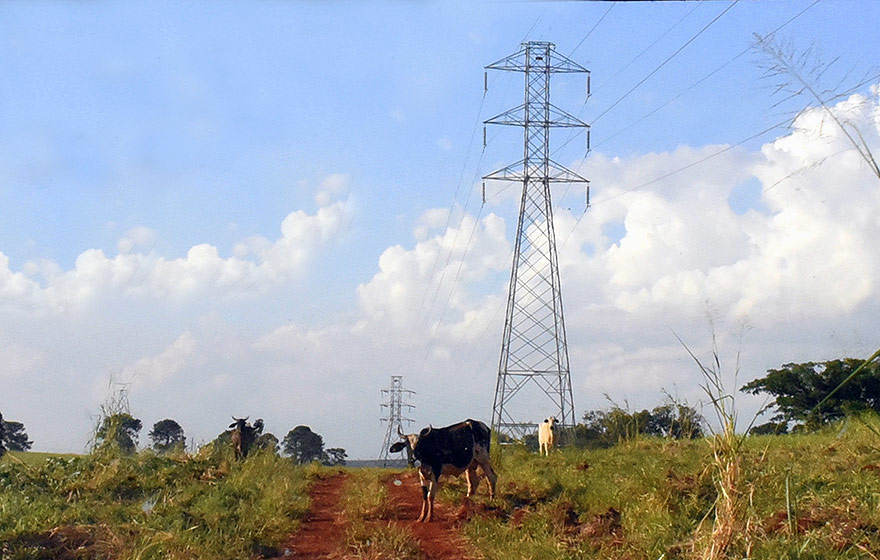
(234, 424)
(397, 447)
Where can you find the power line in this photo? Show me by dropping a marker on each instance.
(701, 80)
(679, 170)
(595, 25)
(666, 61)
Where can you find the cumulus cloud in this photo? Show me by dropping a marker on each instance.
(797, 264)
(332, 185)
(158, 369)
(811, 255)
(256, 264)
(140, 236)
(17, 360)
(414, 284)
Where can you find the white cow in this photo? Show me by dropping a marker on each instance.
(547, 435)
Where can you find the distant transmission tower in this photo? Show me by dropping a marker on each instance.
(395, 418)
(534, 352)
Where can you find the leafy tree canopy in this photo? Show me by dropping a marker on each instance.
(266, 441)
(605, 428)
(303, 445)
(798, 389)
(167, 435)
(14, 436)
(120, 431)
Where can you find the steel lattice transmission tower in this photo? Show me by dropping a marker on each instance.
(534, 352)
(395, 417)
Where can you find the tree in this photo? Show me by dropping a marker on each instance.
(799, 388)
(14, 437)
(119, 430)
(605, 428)
(266, 441)
(167, 435)
(335, 456)
(676, 421)
(303, 445)
(769, 428)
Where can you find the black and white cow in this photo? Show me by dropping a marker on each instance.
(452, 450)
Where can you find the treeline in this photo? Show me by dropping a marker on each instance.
(805, 397)
(122, 432)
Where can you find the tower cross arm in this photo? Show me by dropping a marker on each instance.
(519, 61)
(556, 173)
(518, 117)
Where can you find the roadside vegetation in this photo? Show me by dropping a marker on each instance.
(654, 484)
(803, 496)
(110, 504)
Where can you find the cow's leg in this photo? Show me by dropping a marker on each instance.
(432, 491)
(473, 479)
(481, 457)
(424, 511)
(423, 482)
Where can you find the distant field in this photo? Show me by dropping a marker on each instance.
(32, 458)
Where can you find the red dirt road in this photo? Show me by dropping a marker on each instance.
(322, 531)
(322, 534)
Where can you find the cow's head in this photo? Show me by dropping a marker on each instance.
(410, 443)
(552, 421)
(239, 423)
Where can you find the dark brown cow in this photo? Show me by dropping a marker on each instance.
(243, 435)
(2, 437)
(452, 450)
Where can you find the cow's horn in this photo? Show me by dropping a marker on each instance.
(400, 431)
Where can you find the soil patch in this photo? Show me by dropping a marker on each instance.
(323, 528)
(438, 540)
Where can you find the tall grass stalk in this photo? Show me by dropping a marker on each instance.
(729, 537)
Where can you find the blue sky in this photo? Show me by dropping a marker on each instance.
(245, 208)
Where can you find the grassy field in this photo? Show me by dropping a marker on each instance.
(804, 496)
(810, 496)
(106, 505)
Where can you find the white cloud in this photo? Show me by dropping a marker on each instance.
(201, 271)
(140, 236)
(332, 185)
(415, 285)
(159, 369)
(17, 361)
(803, 271)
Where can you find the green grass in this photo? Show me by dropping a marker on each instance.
(33, 458)
(653, 498)
(145, 506)
(805, 497)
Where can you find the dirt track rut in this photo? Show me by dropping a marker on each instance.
(322, 533)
